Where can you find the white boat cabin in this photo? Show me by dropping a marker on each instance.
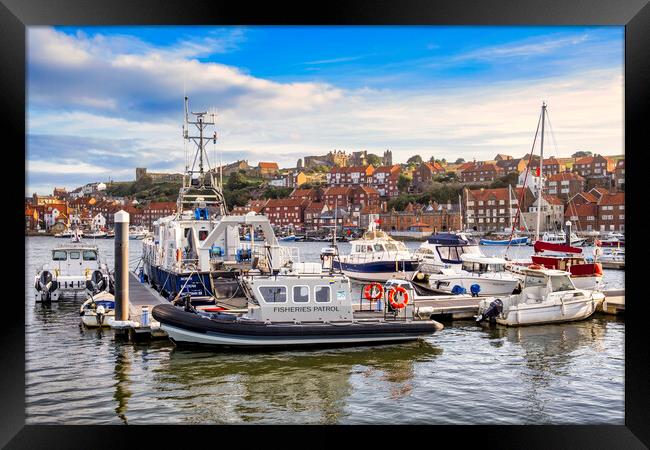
(482, 264)
(301, 298)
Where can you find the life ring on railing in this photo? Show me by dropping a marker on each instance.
(598, 269)
(535, 266)
(179, 254)
(391, 297)
(367, 291)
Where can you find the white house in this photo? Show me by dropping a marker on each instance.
(50, 217)
(99, 222)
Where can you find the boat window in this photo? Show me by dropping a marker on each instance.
(369, 248)
(360, 248)
(498, 268)
(391, 247)
(59, 255)
(300, 294)
(561, 283)
(534, 281)
(187, 231)
(74, 255)
(89, 255)
(273, 294)
(379, 248)
(322, 294)
(203, 234)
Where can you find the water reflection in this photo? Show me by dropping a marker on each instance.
(122, 376)
(282, 387)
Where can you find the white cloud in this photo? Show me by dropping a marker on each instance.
(137, 97)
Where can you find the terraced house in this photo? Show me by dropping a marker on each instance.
(350, 176)
(481, 173)
(493, 209)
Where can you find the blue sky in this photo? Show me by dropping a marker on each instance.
(103, 100)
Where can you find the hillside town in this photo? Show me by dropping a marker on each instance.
(348, 190)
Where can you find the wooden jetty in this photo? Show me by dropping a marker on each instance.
(614, 302)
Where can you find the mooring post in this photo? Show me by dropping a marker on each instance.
(121, 265)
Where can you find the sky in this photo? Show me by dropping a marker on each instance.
(102, 101)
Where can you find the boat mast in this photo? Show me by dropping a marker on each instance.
(510, 206)
(460, 209)
(541, 174)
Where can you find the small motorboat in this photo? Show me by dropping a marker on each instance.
(444, 251)
(303, 306)
(547, 296)
(479, 275)
(97, 235)
(289, 238)
(98, 311)
(138, 232)
(610, 257)
(70, 273)
(560, 238)
(612, 239)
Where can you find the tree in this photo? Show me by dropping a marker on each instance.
(374, 160)
(403, 183)
(236, 181)
(509, 179)
(415, 160)
(460, 161)
(581, 154)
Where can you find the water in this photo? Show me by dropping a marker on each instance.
(466, 374)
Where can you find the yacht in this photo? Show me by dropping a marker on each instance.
(612, 239)
(547, 296)
(444, 251)
(478, 275)
(377, 257)
(71, 272)
(199, 249)
(298, 306)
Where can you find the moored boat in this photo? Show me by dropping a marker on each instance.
(98, 311)
(295, 308)
(443, 251)
(547, 296)
(377, 257)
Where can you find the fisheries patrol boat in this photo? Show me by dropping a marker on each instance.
(70, 272)
(377, 257)
(444, 251)
(299, 305)
(547, 296)
(199, 249)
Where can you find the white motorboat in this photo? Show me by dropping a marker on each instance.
(98, 234)
(479, 275)
(443, 251)
(70, 273)
(547, 296)
(304, 305)
(377, 257)
(138, 232)
(610, 257)
(98, 311)
(560, 238)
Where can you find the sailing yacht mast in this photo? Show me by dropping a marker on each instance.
(510, 207)
(541, 174)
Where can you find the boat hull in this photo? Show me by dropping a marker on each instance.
(525, 314)
(378, 270)
(186, 328)
(199, 285)
(515, 241)
(488, 286)
(90, 320)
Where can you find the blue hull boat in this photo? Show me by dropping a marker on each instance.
(515, 241)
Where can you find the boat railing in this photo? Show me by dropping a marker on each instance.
(359, 258)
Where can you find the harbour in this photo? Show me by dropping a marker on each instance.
(148, 379)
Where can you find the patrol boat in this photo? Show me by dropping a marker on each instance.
(301, 304)
(198, 249)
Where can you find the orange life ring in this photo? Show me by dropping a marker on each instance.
(367, 291)
(598, 270)
(391, 297)
(535, 266)
(179, 254)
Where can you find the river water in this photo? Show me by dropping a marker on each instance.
(467, 374)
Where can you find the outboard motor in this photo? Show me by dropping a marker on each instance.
(97, 283)
(46, 285)
(100, 314)
(493, 310)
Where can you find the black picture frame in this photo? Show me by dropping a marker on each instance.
(15, 15)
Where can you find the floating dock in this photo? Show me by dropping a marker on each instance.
(614, 302)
